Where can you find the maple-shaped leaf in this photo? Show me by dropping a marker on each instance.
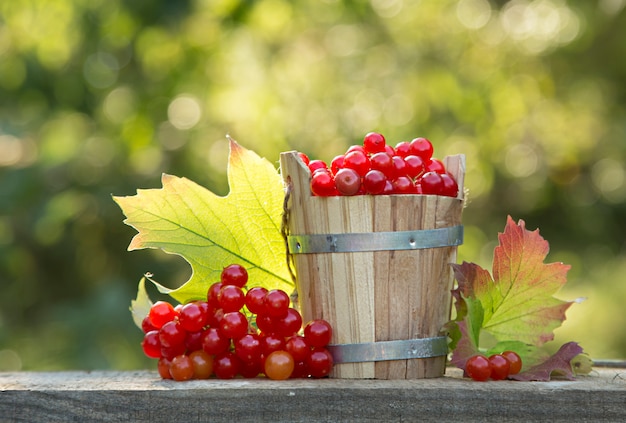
(517, 302)
(140, 307)
(513, 309)
(560, 363)
(210, 231)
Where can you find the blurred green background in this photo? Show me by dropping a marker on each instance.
(99, 97)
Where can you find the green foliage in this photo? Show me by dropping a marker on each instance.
(140, 306)
(517, 301)
(515, 308)
(102, 97)
(212, 232)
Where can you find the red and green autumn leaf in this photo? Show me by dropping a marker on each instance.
(515, 308)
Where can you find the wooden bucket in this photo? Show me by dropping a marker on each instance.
(377, 268)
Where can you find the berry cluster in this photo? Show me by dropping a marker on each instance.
(495, 367)
(215, 337)
(378, 168)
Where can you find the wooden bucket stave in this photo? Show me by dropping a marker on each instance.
(374, 296)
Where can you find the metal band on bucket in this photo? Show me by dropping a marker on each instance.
(389, 350)
(376, 241)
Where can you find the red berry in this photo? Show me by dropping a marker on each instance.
(215, 317)
(431, 183)
(251, 370)
(202, 364)
(500, 367)
(213, 294)
(193, 340)
(172, 334)
(151, 345)
(388, 188)
(374, 182)
(304, 158)
(181, 368)
(226, 365)
(147, 326)
(214, 342)
(358, 161)
(320, 362)
(318, 333)
(163, 367)
(382, 162)
(336, 164)
(231, 298)
(435, 165)
(234, 325)
(403, 149)
(398, 168)
(414, 166)
(271, 343)
(323, 184)
(478, 368)
(347, 181)
(373, 142)
(194, 316)
(161, 312)
(276, 303)
(300, 370)
(356, 148)
(248, 348)
(234, 274)
(266, 323)
(279, 365)
(317, 164)
(422, 147)
(289, 324)
(171, 352)
(298, 348)
(255, 299)
(515, 361)
(450, 187)
(403, 185)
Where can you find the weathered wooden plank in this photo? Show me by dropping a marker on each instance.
(371, 296)
(140, 396)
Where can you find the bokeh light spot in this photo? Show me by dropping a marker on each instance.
(11, 150)
(119, 104)
(343, 40)
(521, 160)
(387, 8)
(101, 70)
(473, 14)
(540, 24)
(609, 178)
(612, 7)
(184, 112)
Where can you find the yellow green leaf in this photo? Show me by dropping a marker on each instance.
(210, 231)
(140, 307)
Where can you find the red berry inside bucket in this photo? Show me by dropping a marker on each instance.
(347, 181)
(409, 168)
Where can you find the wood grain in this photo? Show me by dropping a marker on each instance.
(141, 396)
(381, 295)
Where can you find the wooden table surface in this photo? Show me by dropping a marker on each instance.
(141, 396)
